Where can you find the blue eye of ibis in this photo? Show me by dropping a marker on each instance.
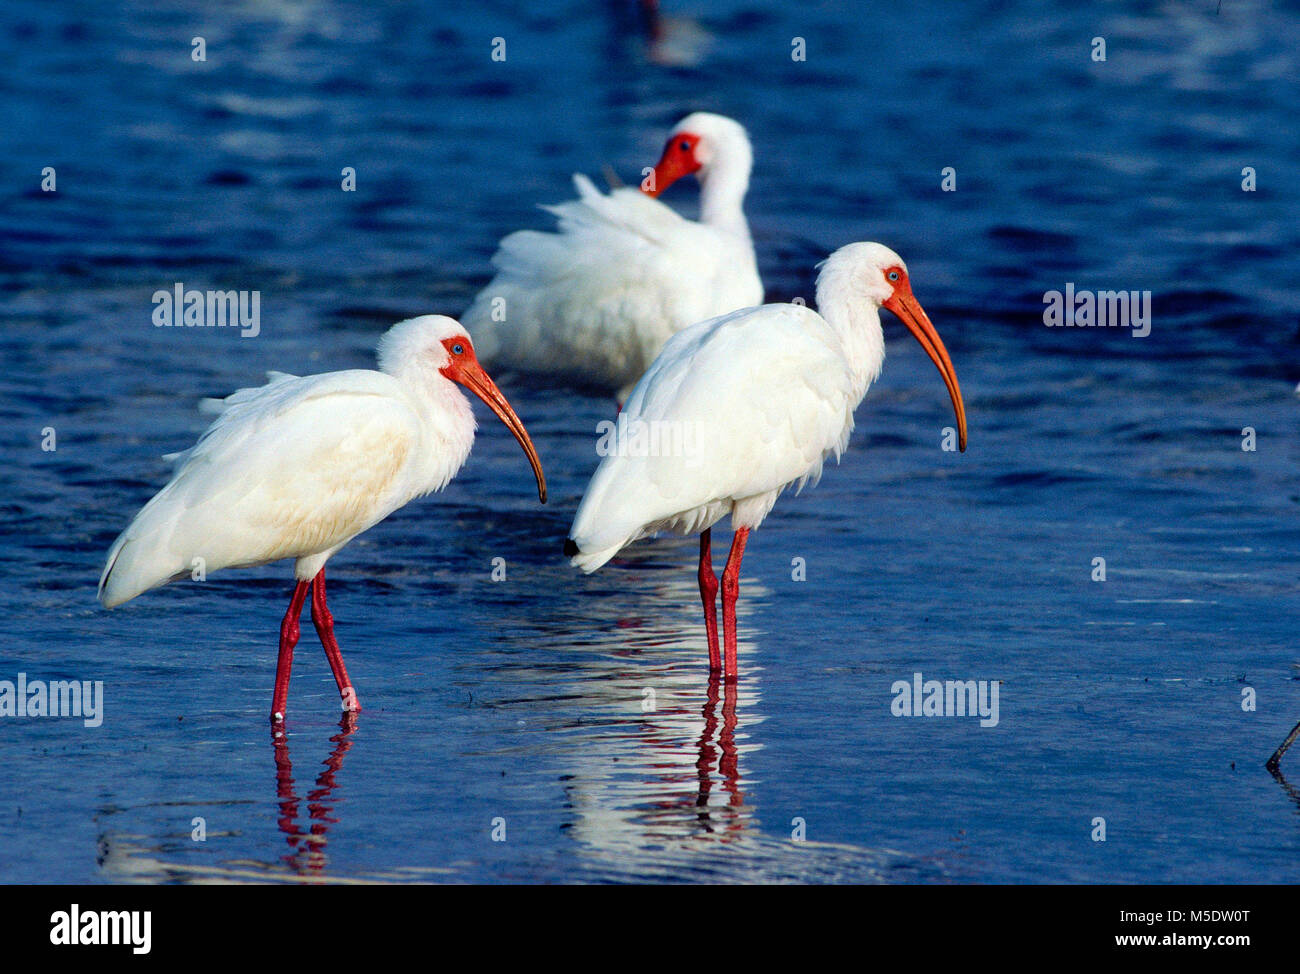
(893, 275)
(458, 349)
(685, 146)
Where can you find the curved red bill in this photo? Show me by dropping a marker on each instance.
(470, 374)
(910, 312)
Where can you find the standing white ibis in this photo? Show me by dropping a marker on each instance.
(742, 407)
(300, 466)
(594, 302)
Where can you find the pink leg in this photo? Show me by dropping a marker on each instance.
(730, 591)
(288, 640)
(709, 596)
(324, 622)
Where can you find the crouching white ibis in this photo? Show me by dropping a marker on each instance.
(748, 404)
(594, 303)
(300, 466)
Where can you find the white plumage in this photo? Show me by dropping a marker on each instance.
(764, 396)
(595, 301)
(298, 467)
(758, 397)
(293, 469)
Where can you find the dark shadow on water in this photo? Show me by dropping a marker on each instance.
(1291, 790)
(1274, 762)
(1275, 767)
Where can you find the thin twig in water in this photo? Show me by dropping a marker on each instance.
(1273, 762)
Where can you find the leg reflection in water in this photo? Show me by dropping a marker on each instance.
(307, 853)
(728, 763)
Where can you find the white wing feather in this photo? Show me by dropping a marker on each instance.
(596, 300)
(762, 397)
(290, 469)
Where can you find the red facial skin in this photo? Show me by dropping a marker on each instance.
(463, 367)
(909, 311)
(678, 160)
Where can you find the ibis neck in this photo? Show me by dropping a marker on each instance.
(722, 197)
(857, 323)
(447, 425)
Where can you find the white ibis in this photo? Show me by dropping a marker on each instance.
(594, 302)
(300, 466)
(742, 407)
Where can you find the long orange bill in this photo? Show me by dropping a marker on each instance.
(911, 313)
(672, 166)
(478, 382)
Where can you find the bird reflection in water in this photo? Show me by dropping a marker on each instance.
(308, 847)
(654, 794)
(655, 759)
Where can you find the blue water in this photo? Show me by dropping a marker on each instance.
(520, 706)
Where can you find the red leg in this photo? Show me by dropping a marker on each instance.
(709, 596)
(730, 591)
(324, 622)
(288, 640)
